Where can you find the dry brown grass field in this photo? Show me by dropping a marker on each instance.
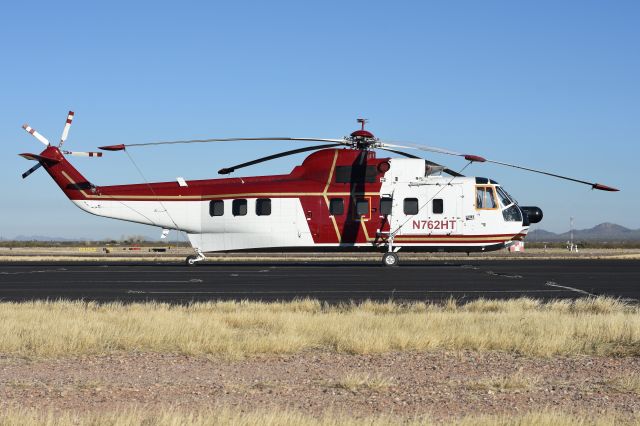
(595, 326)
(230, 417)
(486, 362)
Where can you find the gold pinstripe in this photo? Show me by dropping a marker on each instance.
(458, 238)
(326, 198)
(216, 196)
(333, 166)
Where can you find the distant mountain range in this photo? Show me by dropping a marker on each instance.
(45, 238)
(603, 232)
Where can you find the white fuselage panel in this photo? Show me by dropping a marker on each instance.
(286, 226)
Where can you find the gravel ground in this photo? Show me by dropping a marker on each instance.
(441, 384)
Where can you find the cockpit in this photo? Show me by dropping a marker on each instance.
(511, 212)
(491, 196)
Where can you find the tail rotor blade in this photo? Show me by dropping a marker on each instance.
(65, 131)
(31, 170)
(82, 154)
(35, 134)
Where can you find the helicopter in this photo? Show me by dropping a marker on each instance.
(343, 197)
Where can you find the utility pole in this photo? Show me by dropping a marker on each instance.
(572, 246)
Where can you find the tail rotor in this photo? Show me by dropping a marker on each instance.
(65, 131)
(45, 141)
(36, 135)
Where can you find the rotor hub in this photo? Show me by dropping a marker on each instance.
(361, 138)
(363, 134)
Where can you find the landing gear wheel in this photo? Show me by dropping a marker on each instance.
(191, 260)
(390, 259)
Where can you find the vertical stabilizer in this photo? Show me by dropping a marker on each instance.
(74, 185)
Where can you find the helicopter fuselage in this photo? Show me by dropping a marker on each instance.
(336, 199)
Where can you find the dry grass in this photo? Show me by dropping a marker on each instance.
(599, 326)
(224, 416)
(362, 381)
(626, 384)
(517, 381)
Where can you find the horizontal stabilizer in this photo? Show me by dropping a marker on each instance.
(36, 157)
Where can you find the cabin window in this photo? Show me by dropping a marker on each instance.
(362, 207)
(410, 206)
(485, 198)
(263, 206)
(216, 208)
(385, 206)
(348, 174)
(239, 207)
(438, 206)
(336, 206)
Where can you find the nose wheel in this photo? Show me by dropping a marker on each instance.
(193, 259)
(390, 259)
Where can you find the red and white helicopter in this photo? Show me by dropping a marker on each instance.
(341, 197)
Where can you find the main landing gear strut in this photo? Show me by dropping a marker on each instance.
(193, 259)
(390, 258)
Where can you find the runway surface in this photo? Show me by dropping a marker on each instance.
(332, 282)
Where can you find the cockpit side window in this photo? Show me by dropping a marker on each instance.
(485, 198)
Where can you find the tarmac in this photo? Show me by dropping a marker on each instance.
(333, 282)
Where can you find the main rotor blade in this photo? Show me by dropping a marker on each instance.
(31, 170)
(65, 131)
(592, 184)
(479, 159)
(35, 134)
(228, 170)
(269, 138)
(420, 147)
(431, 163)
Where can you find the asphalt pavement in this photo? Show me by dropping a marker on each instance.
(332, 282)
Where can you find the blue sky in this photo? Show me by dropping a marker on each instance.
(547, 84)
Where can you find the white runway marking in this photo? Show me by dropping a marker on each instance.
(492, 273)
(497, 274)
(577, 290)
(192, 281)
(45, 271)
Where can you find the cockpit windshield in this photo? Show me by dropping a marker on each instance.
(505, 199)
(512, 212)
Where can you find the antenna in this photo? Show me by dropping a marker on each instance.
(362, 121)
